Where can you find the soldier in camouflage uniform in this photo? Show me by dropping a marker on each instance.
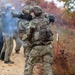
(38, 41)
(8, 32)
(25, 18)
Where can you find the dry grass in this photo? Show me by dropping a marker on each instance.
(67, 43)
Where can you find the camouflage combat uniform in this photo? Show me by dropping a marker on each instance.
(7, 47)
(24, 18)
(8, 24)
(23, 28)
(38, 48)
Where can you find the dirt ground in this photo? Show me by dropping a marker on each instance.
(61, 65)
(64, 62)
(13, 69)
(18, 67)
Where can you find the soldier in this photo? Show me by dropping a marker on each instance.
(8, 24)
(38, 39)
(24, 17)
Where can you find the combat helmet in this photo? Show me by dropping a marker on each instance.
(37, 10)
(26, 9)
(8, 6)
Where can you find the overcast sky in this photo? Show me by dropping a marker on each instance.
(59, 4)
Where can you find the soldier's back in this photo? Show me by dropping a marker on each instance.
(40, 30)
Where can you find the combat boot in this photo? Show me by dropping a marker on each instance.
(9, 62)
(2, 56)
(17, 51)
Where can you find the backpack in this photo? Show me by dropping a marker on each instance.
(42, 35)
(45, 34)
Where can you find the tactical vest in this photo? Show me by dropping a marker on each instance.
(41, 34)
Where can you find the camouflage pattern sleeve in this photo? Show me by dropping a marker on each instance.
(30, 29)
(33, 23)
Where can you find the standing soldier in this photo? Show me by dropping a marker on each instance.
(8, 24)
(24, 17)
(38, 39)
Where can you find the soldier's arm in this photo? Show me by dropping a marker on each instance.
(33, 23)
(31, 29)
(26, 16)
(15, 15)
(22, 16)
